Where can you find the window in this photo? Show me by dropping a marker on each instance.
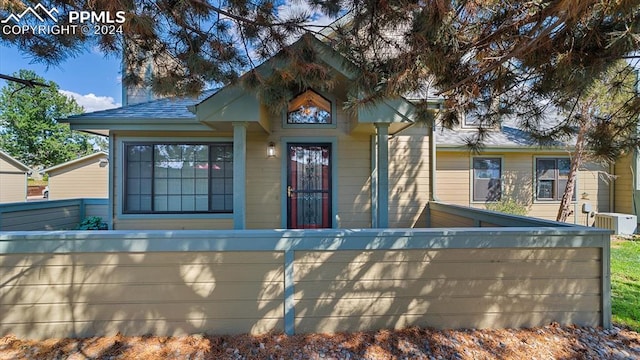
(552, 175)
(178, 178)
(487, 183)
(309, 108)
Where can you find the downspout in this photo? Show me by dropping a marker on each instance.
(432, 159)
(612, 188)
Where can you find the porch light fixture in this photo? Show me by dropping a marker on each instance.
(271, 150)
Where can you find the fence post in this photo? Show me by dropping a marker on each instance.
(606, 281)
(289, 304)
(82, 211)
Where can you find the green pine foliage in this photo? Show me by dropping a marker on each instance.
(29, 130)
(486, 58)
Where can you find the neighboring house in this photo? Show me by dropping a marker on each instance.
(85, 177)
(627, 184)
(13, 179)
(511, 165)
(203, 164)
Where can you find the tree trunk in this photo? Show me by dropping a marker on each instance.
(576, 161)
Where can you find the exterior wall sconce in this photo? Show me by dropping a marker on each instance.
(271, 150)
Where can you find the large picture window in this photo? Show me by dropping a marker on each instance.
(178, 178)
(487, 175)
(552, 175)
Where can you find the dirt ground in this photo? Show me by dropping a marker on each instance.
(549, 342)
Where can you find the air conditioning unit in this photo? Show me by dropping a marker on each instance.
(621, 224)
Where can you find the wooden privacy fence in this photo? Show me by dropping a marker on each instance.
(70, 283)
(50, 215)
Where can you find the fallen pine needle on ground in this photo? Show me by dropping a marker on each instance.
(548, 342)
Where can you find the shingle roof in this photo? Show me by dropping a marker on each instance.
(167, 108)
(508, 136)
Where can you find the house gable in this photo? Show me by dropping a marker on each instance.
(76, 163)
(9, 163)
(235, 104)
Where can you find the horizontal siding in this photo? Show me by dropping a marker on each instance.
(454, 183)
(624, 185)
(97, 210)
(166, 293)
(353, 290)
(408, 180)
(112, 284)
(56, 218)
(86, 179)
(263, 185)
(13, 187)
(486, 320)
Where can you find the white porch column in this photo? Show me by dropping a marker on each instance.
(239, 174)
(383, 174)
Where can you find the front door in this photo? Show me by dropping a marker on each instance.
(308, 186)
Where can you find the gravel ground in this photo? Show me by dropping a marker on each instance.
(549, 342)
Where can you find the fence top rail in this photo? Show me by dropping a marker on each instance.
(297, 240)
(498, 217)
(48, 204)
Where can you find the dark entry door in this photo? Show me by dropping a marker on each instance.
(309, 186)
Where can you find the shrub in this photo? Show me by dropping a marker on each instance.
(508, 206)
(92, 223)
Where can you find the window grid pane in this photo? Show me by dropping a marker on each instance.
(221, 182)
(138, 177)
(487, 179)
(175, 178)
(552, 175)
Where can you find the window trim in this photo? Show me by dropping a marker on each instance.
(472, 177)
(119, 178)
(556, 179)
(334, 117)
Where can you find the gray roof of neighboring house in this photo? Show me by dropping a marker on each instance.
(510, 134)
(167, 108)
(507, 137)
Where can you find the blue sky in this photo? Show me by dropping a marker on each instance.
(91, 78)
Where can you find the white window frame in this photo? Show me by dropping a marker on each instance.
(558, 197)
(472, 178)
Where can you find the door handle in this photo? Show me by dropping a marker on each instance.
(289, 191)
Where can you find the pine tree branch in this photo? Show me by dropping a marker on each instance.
(25, 82)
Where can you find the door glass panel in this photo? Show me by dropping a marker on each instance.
(308, 192)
